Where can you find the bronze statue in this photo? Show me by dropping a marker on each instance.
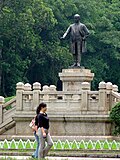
(78, 34)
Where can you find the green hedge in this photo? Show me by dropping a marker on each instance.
(115, 117)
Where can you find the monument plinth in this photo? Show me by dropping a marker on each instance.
(72, 78)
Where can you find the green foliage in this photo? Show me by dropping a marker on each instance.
(9, 98)
(30, 44)
(115, 117)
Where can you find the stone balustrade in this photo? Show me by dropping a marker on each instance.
(28, 97)
(7, 109)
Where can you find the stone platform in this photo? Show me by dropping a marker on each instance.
(74, 111)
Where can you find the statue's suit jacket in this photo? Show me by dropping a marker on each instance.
(77, 32)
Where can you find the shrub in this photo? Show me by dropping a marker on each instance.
(115, 117)
(8, 99)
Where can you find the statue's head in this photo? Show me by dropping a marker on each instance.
(77, 18)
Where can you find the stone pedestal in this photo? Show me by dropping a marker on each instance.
(73, 78)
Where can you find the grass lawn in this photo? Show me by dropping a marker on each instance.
(9, 98)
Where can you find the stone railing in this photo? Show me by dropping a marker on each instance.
(6, 114)
(88, 110)
(82, 102)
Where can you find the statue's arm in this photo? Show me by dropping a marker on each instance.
(86, 32)
(67, 32)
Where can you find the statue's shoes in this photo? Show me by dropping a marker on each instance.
(78, 64)
(73, 66)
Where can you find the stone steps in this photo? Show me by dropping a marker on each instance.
(5, 126)
(57, 158)
(65, 153)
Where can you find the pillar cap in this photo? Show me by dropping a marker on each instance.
(85, 86)
(2, 99)
(45, 88)
(102, 85)
(36, 86)
(109, 86)
(27, 87)
(115, 88)
(52, 88)
(20, 86)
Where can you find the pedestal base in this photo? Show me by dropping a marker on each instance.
(79, 125)
(72, 78)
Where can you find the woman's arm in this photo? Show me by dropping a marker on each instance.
(43, 132)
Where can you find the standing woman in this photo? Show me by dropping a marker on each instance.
(43, 132)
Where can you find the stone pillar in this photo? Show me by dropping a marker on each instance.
(73, 78)
(52, 89)
(19, 92)
(46, 90)
(102, 97)
(27, 98)
(84, 96)
(36, 94)
(109, 88)
(1, 108)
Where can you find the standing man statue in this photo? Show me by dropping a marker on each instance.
(78, 34)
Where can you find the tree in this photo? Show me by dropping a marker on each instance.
(20, 39)
(32, 51)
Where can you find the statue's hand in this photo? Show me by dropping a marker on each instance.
(84, 38)
(61, 38)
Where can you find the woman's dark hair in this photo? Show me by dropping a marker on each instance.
(41, 105)
(38, 110)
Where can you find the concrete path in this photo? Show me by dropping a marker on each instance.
(58, 158)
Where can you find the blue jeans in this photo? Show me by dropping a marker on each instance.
(35, 154)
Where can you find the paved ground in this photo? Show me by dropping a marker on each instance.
(58, 158)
